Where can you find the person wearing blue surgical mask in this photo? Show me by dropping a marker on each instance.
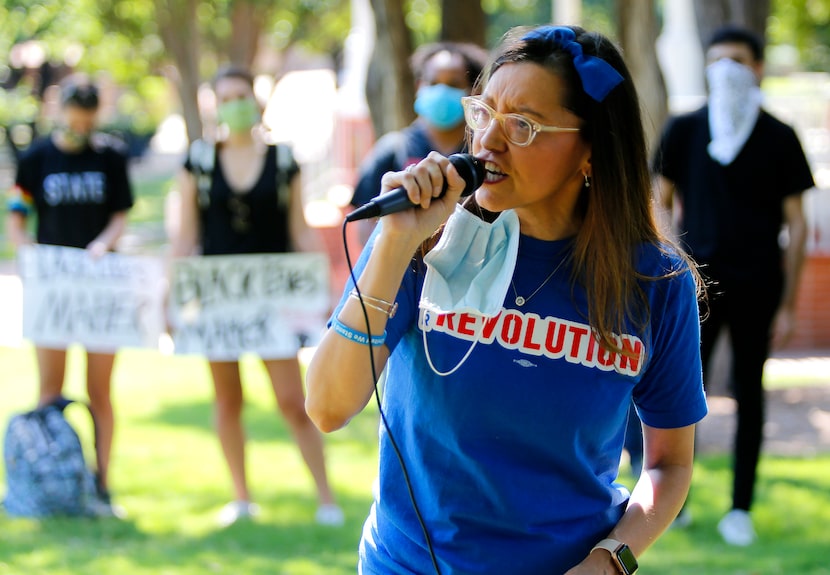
(444, 73)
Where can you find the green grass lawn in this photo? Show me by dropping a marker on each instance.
(169, 476)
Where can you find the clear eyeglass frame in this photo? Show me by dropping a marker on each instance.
(518, 129)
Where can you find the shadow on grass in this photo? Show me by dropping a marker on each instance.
(174, 533)
(283, 540)
(261, 423)
(790, 512)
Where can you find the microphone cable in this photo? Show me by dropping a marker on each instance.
(392, 439)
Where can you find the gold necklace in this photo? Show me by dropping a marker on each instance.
(520, 301)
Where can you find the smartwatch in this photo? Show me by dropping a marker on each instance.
(621, 554)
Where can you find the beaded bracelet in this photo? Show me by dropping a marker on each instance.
(358, 336)
(381, 305)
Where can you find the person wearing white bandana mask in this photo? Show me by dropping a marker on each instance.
(515, 330)
(736, 175)
(734, 106)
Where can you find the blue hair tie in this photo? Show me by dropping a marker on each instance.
(598, 76)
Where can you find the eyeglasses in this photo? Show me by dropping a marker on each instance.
(518, 129)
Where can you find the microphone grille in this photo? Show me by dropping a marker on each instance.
(471, 169)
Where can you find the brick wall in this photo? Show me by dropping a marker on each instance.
(813, 305)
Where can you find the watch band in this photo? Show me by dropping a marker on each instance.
(623, 558)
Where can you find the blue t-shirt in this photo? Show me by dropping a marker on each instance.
(513, 458)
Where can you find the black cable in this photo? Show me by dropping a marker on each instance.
(392, 440)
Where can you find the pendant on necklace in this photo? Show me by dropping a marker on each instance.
(520, 301)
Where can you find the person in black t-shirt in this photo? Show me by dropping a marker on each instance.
(444, 72)
(233, 202)
(738, 175)
(75, 182)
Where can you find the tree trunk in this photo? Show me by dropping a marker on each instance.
(712, 14)
(247, 18)
(390, 87)
(180, 34)
(463, 21)
(638, 31)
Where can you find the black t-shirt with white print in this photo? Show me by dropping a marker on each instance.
(74, 194)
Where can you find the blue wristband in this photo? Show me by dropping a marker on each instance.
(358, 336)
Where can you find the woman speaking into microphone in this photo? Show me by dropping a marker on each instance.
(516, 327)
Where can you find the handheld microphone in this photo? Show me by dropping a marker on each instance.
(468, 166)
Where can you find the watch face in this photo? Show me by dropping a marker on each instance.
(627, 560)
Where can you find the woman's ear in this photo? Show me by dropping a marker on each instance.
(587, 170)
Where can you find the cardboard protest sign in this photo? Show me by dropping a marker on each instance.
(269, 304)
(11, 311)
(104, 304)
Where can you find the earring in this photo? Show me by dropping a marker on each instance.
(587, 181)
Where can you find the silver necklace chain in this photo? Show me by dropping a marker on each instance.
(520, 301)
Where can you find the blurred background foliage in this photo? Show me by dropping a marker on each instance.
(805, 26)
(156, 52)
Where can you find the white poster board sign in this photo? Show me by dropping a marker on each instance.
(104, 304)
(269, 304)
(11, 311)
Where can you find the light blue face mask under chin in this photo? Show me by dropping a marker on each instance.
(470, 269)
(440, 105)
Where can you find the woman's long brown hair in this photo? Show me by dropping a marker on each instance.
(616, 210)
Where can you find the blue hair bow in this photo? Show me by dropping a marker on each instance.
(598, 76)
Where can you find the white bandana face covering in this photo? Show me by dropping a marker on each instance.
(734, 106)
(470, 268)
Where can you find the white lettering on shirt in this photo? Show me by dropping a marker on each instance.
(74, 188)
(549, 337)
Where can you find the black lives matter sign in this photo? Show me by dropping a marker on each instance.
(102, 303)
(271, 304)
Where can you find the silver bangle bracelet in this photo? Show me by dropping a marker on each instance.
(381, 305)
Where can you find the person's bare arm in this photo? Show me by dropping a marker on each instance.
(663, 191)
(656, 499)
(339, 377)
(16, 230)
(185, 233)
(109, 236)
(785, 319)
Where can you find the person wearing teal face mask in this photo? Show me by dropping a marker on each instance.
(242, 195)
(444, 73)
(238, 116)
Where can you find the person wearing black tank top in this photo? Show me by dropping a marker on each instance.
(243, 212)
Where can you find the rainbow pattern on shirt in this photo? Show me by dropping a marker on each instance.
(20, 200)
